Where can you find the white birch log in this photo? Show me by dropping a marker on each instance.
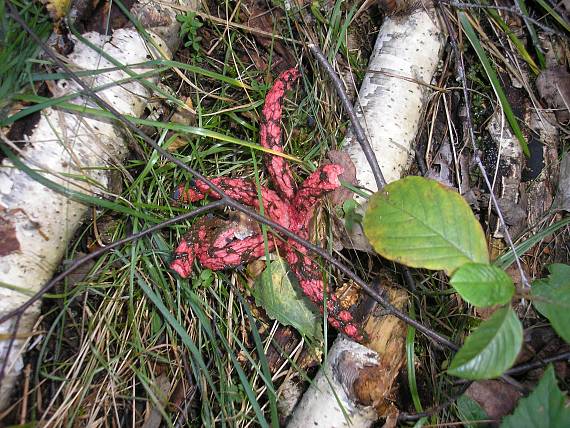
(393, 93)
(36, 223)
(331, 391)
(390, 105)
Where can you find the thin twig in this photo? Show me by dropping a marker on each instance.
(10, 344)
(410, 417)
(19, 311)
(517, 370)
(362, 140)
(78, 262)
(522, 368)
(225, 200)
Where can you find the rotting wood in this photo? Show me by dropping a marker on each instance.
(358, 381)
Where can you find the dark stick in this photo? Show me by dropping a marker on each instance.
(539, 363)
(407, 417)
(10, 344)
(360, 137)
(225, 200)
(19, 311)
(511, 10)
(514, 371)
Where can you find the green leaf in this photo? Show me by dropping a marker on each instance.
(545, 407)
(421, 223)
(276, 292)
(492, 75)
(551, 297)
(351, 216)
(483, 285)
(491, 349)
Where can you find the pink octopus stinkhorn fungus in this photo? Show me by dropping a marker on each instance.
(289, 205)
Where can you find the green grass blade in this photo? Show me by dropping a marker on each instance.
(146, 83)
(40, 77)
(533, 36)
(17, 49)
(201, 315)
(493, 78)
(508, 258)
(183, 129)
(203, 72)
(263, 362)
(519, 45)
(410, 362)
(140, 28)
(178, 328)
(50, 102)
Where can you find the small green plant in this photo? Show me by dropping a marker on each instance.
(421, 223)
(189, 30)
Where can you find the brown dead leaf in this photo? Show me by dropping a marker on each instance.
(348, 294)
(495, 397)
(79, 274)
(256, 267)
(394, 7)
(441, 168)
(353, 239)
(553, 86)
(342, 194)
(185, 117)
(177, 144)
(486, 312)
(162, 389)
(539, 343)
(268, 20)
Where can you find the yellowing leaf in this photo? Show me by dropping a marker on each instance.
(421, 223)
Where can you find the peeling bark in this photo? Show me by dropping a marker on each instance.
(355, 386)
